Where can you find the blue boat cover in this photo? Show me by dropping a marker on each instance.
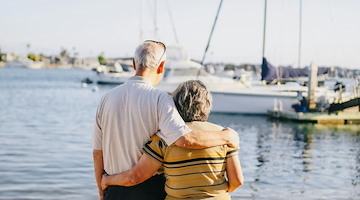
(270, 73)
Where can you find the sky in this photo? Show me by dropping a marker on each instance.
(330, 29)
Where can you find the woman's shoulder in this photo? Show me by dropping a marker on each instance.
(207, 126)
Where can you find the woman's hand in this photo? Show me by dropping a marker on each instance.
(104, 181)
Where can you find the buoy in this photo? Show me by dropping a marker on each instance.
(95, 89)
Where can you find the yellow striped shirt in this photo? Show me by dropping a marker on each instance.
(193, 173)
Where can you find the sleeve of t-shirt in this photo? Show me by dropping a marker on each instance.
(155, 148)
(231, 152)
(171, 125)
(97, 131)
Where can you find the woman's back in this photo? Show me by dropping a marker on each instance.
(193, 173)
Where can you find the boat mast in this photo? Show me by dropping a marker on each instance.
(172, 22)
(212, 30)
(300, 23)
(264, 34)
(141, 21)
(155, 21)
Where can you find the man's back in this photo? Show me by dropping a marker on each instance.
(127, 117)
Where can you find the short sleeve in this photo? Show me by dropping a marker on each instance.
(97, 131)
(155, 148)
(171, 125)
(231, 152)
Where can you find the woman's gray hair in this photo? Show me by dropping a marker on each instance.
(148, 55)
(193, 101)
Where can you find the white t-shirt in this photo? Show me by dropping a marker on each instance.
(128, 116)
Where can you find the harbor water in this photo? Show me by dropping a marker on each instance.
(46, 121)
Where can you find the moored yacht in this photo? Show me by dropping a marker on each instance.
(24, 63)
(115, 75)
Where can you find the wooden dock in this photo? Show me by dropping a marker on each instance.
(348, 116)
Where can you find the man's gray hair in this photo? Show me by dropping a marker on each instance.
(148, 55)
(193, 101)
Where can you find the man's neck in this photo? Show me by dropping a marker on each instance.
(147, 74)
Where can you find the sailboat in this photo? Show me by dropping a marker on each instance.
(258, 99)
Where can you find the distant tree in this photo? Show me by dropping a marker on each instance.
(101, 58)
(32, 57)
(56, 60)
(64, 53)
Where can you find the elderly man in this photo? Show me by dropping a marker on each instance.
(130, 114)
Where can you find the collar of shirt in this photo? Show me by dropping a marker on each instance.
(140, 79)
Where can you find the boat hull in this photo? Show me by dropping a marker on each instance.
(243, 103)
(113, 78)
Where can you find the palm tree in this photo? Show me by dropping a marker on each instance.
(64, 53)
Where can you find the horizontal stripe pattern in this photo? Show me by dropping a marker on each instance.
(195, 173)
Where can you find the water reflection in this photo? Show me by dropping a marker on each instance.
(356, 180)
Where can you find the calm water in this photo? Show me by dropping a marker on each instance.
(46, 121)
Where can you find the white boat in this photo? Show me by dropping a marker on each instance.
(260, 99)
(116, 76)
(24, 63)
(231, 96)
(253, 100)
(113, 77)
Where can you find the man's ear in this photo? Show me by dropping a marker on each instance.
(160, 69)
(134, 66)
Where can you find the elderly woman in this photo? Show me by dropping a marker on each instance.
(190, 173)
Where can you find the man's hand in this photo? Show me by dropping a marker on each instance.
(98, 170)
(234, 140)
(104, 182)
(101, 194)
